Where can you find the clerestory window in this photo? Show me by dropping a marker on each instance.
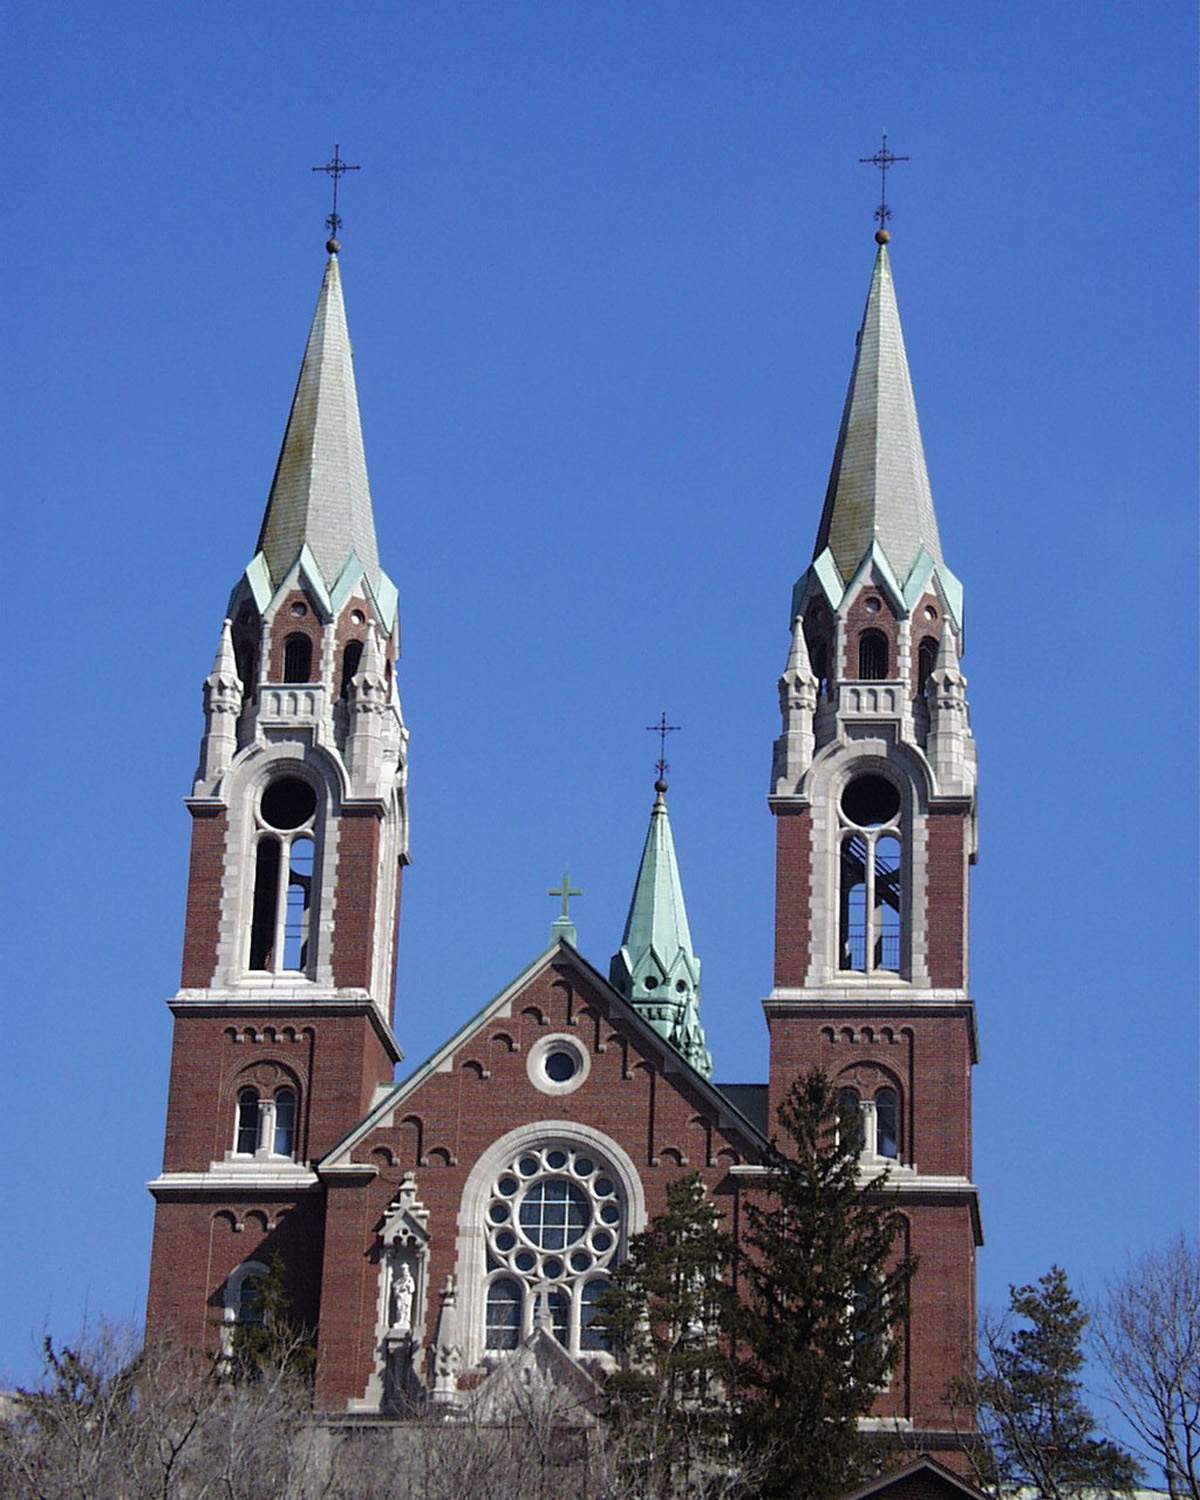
(284, 859)
(870, 878)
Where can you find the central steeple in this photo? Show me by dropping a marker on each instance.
(656, 967)
(320, 497)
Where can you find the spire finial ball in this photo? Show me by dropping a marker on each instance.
(332, 246)
(882, 236)
(660, 786)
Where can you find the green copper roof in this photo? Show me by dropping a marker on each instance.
(319, 496)
(878, 485)
(656, 968)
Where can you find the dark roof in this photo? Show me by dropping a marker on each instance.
(750, 1101)
(923, 1479)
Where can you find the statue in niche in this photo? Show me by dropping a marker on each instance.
(404, 1288)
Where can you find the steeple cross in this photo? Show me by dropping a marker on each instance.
(336, 168)
(662, 729)
(566, 891)
(882, 159)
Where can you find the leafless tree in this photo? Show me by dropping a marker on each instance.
(1146, 1333)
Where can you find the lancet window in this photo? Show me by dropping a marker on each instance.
(871, 876)
(284, 876)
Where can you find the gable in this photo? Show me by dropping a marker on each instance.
(558, 1044)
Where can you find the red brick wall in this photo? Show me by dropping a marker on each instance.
(202, 918)
(198, 1242)
(337, 1061)
(354, 887)
(460, 1114)
(793, 895)
(285, 624)
(946, 897)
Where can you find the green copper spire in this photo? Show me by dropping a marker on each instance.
(656, 968)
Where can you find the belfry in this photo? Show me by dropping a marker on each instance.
(436, 1233)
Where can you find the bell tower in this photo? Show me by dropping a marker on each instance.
(283, 1019)
(873, 792)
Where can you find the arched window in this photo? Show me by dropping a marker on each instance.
(504, 1300)
(297, 658)
(871, 874)
(285, 1122)
(592, 1332)
(887, 1123)
(560, 1317)
(351, 657)
(284, 879)
(926, 661)
(250, 1300)
(872, 655)
(246, 1143)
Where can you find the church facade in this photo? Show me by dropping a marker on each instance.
(432, 1231)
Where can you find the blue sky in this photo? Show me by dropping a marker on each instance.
(603, 267)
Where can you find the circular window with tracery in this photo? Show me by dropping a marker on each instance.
(554, 1219)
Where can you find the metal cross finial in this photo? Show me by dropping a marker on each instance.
(882, 159)
(662, 729)
(566, 891)
(336, 168)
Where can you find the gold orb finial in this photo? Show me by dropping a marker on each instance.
(882, 236)
(333, 246)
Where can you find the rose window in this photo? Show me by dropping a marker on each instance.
(554, 1221)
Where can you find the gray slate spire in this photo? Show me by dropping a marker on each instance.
(878, 486)
(320, 495)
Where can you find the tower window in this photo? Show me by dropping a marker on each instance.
(285, 1123)
(870, 876)
(284, 878)
(297, 658)
(872, 655)
(351, 657)
(887, 1123)
(247, 1122)
(926, 661)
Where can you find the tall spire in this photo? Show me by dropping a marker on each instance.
(320, 495)
(878, 486)
(656, 968)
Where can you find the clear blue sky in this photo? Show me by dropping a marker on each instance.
(603, 266)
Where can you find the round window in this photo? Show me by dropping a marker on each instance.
(870, 801)
(558, 1064)
(561, 1066)
(288, 803)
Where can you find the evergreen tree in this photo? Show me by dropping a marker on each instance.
(824, 1295)
(265, 1337)
(665, 1315)
(1027, 1399)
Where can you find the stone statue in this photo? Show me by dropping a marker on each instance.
(403, 1288)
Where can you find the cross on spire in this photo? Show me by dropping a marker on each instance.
(662, 729)
(882, 159)
(566, 892)
(336, 168)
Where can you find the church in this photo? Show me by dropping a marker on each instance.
(436, 1232)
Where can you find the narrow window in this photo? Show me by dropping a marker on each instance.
(250, 1301)
(887, 1123)
(285, 1123)
(872, 655)
(351, 657)
(560, 1316)
(592, 1333)
(854, 904)
(926, 661)
(247, 1122)
(503, 1314)
(297, 658)
(818, 655)
(266, 900)
(887, 904)
(299, 905)
(850, 1118)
